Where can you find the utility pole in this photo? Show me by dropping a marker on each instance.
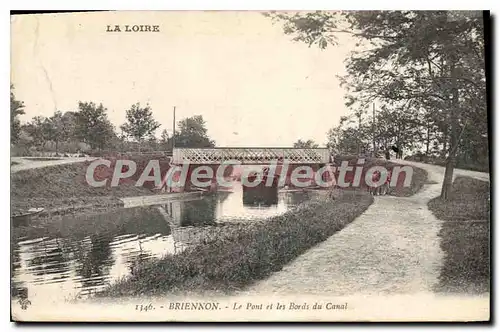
(173, 134)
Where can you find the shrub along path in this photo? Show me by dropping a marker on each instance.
(393, 247)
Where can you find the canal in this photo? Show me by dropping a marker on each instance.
(85, 253)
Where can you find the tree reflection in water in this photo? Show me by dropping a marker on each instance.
(136, 258)
(15, 257)
(296, 198)
(199, 212)
(94, 264)
(18, 290)
(260, 196)
(49, 260)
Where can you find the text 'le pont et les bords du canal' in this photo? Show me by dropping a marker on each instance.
(208, 306)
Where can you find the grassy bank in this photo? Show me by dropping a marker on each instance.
(246, 254)
(465, 237)
(64, 189)
(469, 201)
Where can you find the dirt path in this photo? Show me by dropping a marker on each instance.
(23, 163)
(391, 248)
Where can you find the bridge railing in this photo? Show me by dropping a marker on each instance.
(251, 155)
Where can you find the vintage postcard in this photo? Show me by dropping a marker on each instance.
(217, 166)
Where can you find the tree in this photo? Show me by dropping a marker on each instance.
(152, 142)
(309, 144)
(38, 130)
(59, 128)
(140, 123)
(346, 140)
(16, 109)
(193, 133)
(398, 125)
(165, 140)
(431, 61)
(93, 126)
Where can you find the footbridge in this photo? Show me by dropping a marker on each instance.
(285, 159)
(251, 156)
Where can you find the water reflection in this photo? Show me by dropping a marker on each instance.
(94, 261)
(199, 212)
(48, 259)
(299, 197)
(266, 196)
(80, 255)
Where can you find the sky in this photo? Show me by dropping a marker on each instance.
(252, 84)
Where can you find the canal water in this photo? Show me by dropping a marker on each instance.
(83, 254)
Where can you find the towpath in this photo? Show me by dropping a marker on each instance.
(392, 248)
(21, 163)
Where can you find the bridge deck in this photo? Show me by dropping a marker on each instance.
(251, 155)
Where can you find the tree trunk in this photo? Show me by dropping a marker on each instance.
(451, 160)
(446, 137)
(427, 145)
(373, 133)
(359, 135)
(397, 146)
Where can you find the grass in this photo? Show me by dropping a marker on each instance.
(247, 253)
(469, 201)
(467, 265)
(64, 187)
(465, 237)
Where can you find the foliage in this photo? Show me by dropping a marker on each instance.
(300, 144)
(165, 140)
(60, 127)
(16, 109)
(193, 133)
(37, 130)
(93, 126)
(140, 122)
(425, 70)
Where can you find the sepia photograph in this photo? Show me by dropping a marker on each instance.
(250, 166)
